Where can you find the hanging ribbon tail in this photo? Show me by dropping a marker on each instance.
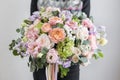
(56, 71)
(51, 72)
(48, 72)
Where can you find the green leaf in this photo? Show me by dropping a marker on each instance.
(17, 30)
(55, 13)
(59, 25)
(24, 24)
(27, 21)
(15, 53)
(39, 25)
(22, 31)
(77, 42)
(85, 42)
(63, 71)
(91, 18)
(32, 67)
(96, 56)
(100, 54)
(44, 50)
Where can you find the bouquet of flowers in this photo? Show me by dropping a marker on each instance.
(57, 39)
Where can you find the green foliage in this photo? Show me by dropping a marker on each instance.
(63, 71)
(59, 25)
(83, 59)
(17, 30)
(55, 13)
(39, 25)
(27, 21)
(12, 44)
(44, 50)
(85, 42)
(76, 19)
(91, 18)
(44, 20)
(15, 53)
(77, 42)
(98, 54)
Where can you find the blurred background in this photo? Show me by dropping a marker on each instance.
(105, 12)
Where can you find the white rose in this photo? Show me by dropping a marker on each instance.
(82, 33)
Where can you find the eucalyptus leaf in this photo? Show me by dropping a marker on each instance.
(44, 50)
(55, 13)
(18, 30)
(59, 25)
(15, 53)
(100, 54)
(32, 68)
(83, 59)
(85, 42)
(39, 25)
(96, 56)
(28, 21)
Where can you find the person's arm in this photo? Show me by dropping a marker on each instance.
(86, 7)
(33, 6)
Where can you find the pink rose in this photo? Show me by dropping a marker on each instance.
(33, 48)
(32, 33)
(73, 25)
(52, 56)
(87, 23)
(93, 42)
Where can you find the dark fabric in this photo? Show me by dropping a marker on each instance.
(86, 7)
(33, 6)
(73, 74)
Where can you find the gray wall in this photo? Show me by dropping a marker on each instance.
(105, 12)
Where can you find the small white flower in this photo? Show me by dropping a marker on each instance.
(39, 55)
(69, 32)
(85, 49)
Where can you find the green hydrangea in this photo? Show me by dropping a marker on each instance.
(64, 48)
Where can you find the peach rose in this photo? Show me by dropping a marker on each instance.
(46, 27)
(55, 20)
(57, 34)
